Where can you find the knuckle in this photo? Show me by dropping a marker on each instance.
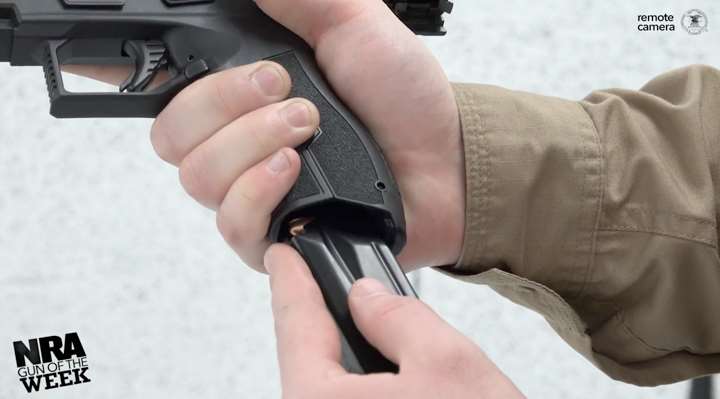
(193, 177)
(456, 359)
(270, 134)
(250, 194)
(166, 125)
(336, 14)
(289, 313)
(161, 140)
(386, 307)
(223, 97)
(267, 135)
(228, 227)
(283, 315)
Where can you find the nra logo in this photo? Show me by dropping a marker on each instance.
(51, 362)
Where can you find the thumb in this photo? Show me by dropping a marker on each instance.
(402, 328)
(313, 19)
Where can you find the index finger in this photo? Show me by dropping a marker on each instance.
(307, 337)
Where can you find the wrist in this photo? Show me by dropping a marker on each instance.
(435, 206)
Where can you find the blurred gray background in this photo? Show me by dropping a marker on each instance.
(96, 235)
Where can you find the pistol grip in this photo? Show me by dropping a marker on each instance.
(344, 176)
(345, 210)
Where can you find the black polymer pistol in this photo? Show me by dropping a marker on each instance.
(344, 215)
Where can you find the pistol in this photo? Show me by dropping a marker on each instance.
(344, 215)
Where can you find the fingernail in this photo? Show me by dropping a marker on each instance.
(370, 287)
(296, 114)
(268, 79)
(278, 163)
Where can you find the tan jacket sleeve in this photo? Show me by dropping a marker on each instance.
(602, 216)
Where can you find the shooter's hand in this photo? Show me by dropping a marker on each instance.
(435, 360)
(232, 134)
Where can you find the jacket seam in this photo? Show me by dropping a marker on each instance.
(477, 176)
(695, 219)
(713, 173)
(601, 198)
(635, 229)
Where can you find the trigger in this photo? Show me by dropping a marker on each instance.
(149, 57)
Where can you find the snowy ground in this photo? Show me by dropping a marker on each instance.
(96, 235)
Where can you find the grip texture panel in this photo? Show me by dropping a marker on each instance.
(343, 160)
(306, 185)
